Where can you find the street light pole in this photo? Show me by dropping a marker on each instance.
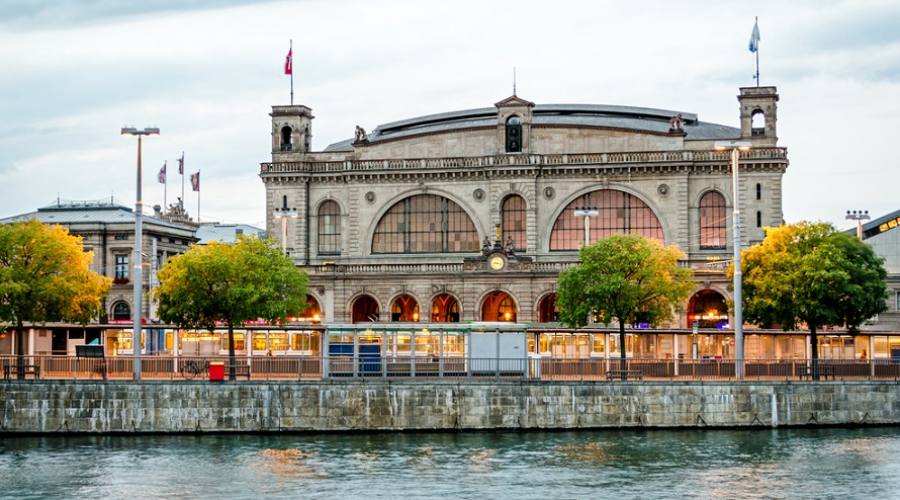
(587, 213)
(858, 216)
(137, 275)
(736, 147)
(284, 214)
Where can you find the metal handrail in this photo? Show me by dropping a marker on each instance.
(366, 366)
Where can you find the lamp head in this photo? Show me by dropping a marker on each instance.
(727, 145)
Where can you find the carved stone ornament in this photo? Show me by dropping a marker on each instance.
(370, 197)
(549, 192)
(663, 189)
(478, 194)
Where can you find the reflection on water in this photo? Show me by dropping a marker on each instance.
(597, 464)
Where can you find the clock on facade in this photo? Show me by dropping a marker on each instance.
(497, 262)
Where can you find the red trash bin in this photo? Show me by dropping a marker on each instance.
(216, 371)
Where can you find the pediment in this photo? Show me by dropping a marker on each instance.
(514, 101)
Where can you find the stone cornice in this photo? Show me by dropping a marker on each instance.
(527, 165)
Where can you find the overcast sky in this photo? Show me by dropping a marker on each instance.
(72, 73)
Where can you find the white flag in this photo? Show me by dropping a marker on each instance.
(754, 37)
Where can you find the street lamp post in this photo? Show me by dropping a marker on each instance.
(736, 147)
(284, 214)
(137, 276)
(587, 213)
(858, 216)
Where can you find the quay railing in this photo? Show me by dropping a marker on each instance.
(447, 367)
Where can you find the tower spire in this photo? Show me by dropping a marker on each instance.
(514, 80)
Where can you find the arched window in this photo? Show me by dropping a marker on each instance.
(498, 306)
(758, 123)
(708, 309)
(444, 309)
(329, 228)
(364, 310)
(612, 212)
(121, 311)
(312, 313)
(425, 223)
(513, 134)
(513, 217)
(284, 202)
(286, 138)
(758, 191)
(405, 308)
(712, 221)
(547, 310)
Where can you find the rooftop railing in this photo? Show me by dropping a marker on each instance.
(493, 161)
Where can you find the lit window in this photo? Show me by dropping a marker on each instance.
(712, 221)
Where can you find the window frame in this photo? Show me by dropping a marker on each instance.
(328, 228)
(714, 225)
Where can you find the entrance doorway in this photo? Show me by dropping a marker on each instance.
(444, 309)
(547, 310)
(364, 310)
(708, 308)
(405, 308)
(498, 306)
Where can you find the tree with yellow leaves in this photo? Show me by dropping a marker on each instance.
(45, 275)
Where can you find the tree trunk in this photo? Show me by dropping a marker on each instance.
(231, 359)
(814, 351)
(20, 351)
(624, 364)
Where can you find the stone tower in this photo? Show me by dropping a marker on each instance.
(291, 132)
(759, 115)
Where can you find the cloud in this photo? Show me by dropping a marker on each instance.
(206, 73)
(54, 13)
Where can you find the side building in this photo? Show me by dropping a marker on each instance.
(471, 215)
(107, 229)
(883, 235)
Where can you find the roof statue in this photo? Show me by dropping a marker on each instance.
(360, 135)
(676, 125)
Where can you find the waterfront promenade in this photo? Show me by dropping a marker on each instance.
(285, 368)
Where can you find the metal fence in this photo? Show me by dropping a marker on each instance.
(376, 366)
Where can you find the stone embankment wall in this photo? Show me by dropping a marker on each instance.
(123, 407)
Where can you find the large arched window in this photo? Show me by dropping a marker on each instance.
(513, 134)
(121, 311)
(712, 221)
(514, 219)
(425, 223)
(610, 212)
(329, 228)
(757, 123)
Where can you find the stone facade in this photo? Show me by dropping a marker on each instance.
(186, 407)
(566, 152)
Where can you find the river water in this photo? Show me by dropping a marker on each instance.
(802, 463)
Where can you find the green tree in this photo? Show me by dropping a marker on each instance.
(231, 284)
(45, 275)
(624, 278)
(812, 274)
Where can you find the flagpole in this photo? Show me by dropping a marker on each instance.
(165, 186)
(757, 55)
(181, 169)
(198, 197)
(291, 50)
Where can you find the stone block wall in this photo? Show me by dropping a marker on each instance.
(335, 406)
